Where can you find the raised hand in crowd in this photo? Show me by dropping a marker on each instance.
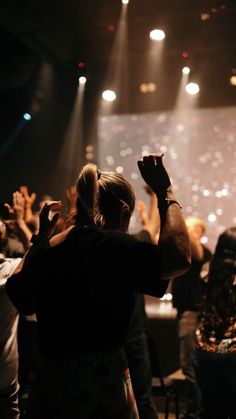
(71, 196)
(49, 217)
(149, 216)
(173, 237)
(29, 202)
(16, 214)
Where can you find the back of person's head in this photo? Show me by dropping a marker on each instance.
(222, 275)
(105, 199)
(224, 259)
(193, 222)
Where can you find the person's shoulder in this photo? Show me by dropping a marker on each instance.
(60, 237)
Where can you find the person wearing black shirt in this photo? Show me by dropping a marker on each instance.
(83, 306)
(187, 292)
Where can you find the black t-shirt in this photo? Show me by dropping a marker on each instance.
(187, 288)
(82, 290)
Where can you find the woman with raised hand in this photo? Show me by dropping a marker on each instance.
(81, 283)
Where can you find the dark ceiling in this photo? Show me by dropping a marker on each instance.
(66, 32)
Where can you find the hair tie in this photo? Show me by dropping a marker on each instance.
(98, 174)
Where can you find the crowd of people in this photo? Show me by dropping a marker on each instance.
(80, 281)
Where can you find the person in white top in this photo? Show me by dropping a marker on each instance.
(8, 346)
(9, 316)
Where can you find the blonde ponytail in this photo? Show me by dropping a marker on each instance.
(87, 189)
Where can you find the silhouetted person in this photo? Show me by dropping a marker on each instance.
(216, 333)
(187, 294)
(9, 386)
(136, 348)
(83, 307)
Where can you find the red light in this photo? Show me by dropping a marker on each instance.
(110, 28)
(81, 64)
(184, 54)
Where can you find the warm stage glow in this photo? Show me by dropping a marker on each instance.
(192, 88)
(109, 95)
(186, 70)
(233, 80)
(82, 80)
(157, 35)
(147, 87)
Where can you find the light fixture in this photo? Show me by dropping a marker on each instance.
(186, 70)
(82, 80)
(157, 35)
(27, 116)
(232, 80)
(192, 88)
(109, 95)
(147, 87)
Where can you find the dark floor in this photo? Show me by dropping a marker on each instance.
(160, 403)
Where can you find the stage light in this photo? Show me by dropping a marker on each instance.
(89, 148)
(143, 87)
(205, 16)
(110, 27)
(109, 95)
(184, 54)
(82, 80)
(157, 35)
(125, 1)
(186, 70)
(147, 87)
(151, 87)
(192, 88)
(232, 80)
(27, 116)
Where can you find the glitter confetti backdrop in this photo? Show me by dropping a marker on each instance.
(200, 151)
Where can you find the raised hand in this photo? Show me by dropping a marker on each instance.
(18, 205)
(48, 218)
(142, 212)
(29, 199)
(154, 173)
(16, 210)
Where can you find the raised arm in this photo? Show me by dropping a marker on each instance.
(17, 211)
(174, 241)
(149, 216)
(24, 231)
(29, 201)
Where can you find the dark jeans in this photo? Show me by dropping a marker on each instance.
(187, 328)
(216, 374)
(141, 377)
(89, 386)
